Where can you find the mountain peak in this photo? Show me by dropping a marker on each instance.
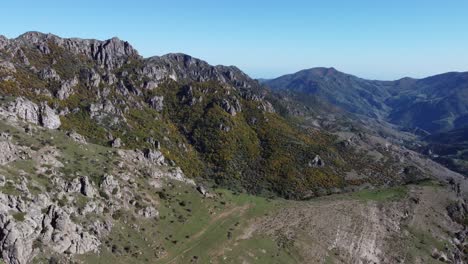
(110, 53)
(321, 71)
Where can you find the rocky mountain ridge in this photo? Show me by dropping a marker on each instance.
(105, 155)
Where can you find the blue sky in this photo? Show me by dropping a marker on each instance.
(371, 39)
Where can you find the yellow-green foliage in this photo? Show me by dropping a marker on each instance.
(254, 151)
(258, 152)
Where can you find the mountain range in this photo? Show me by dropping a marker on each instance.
(110, 157)
(433, 104)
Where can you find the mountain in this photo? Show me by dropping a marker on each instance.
(434, 104)
(346, 91)
(215, 122)
(449, 148)
(109, 157)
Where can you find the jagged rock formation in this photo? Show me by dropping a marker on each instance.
(35, 219)
(36, 114)
(109, 54)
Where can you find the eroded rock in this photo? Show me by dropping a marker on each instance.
(66, 89)
(77, 137)
(157, 103)
(48, 118)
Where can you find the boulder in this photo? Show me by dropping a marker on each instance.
(30, 112)
(66, 89)
(90, 78)
(25, 110)
(16, 240)
(48, 118)
(231, 108)
(154, 156)
(8, 152)
(317, 162)
(49, 74)
(116, 143)
(81, 185)
(149, 212)
(201, 189)
(63, 236)
(110, 185)
(157, 103)
(87, 188)
(7, 67)
(77, 137)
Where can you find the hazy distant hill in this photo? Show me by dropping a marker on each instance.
(435, 104)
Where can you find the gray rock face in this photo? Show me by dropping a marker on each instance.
(110, 185)
(109, 54)
(73, 186)
(106, 111)
(43, 48)
(49, 74)
(2, 180)
(87, 188)
(25, 110)
(81, 185)
(8, 151)
(317, 162)
(116, 143)
(201, 189)
(48, 118)
(155, 156)
(149, 212)
(157, 103)
(90, 78)
(231, 108)
(66, 89)
(30, 112)
(178, 66)
(7, 67)
(156, 144)
(41, 221)
(16, 240)
(77, 137)
(64, 236)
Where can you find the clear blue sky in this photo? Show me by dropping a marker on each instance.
(369, 38)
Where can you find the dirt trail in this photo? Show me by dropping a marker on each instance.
(218, 220)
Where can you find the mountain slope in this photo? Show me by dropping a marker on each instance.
(438, 103)
(349, 92)
(434, 104)
(213, 121)
(449, 148)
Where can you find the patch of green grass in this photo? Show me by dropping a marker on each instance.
(189, 227)
(81, 201)
(420, 245)
(329, 259)
(24, 165)
(10, 189)
(19, 216)
(258, 249)
(381, 195)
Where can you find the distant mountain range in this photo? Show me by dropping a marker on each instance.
(434, 104)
